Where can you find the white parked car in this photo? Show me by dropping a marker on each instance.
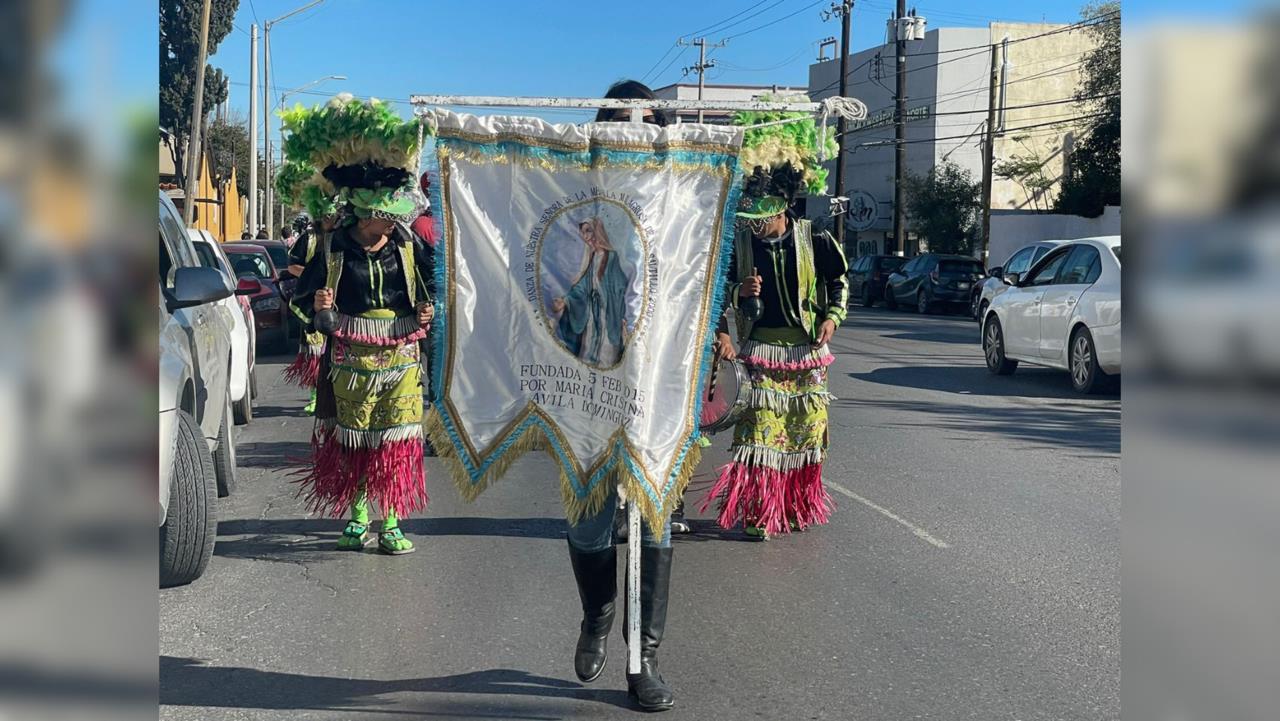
(243, 332)
(1019, 262)
(1063, 313)
(197, 448)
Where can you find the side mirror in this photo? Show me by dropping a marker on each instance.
(196, 286)
(248, 286)
(996, 272)
(1011, 279)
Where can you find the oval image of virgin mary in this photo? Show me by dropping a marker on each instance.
(589, 282)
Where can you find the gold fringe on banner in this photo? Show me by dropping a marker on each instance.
(533, 438)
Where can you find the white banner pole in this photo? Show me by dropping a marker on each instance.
(633, 554)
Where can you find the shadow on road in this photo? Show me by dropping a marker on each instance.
(278, 539)
(933, 328)
(280, 412)
(1083, 427)
(274, 454)
(187, 682)
(976, 380)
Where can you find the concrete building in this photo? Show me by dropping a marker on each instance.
(948, 82)
(689, 91)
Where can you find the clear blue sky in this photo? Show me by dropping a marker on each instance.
(393, 48)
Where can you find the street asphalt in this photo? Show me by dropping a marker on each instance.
(970, 571)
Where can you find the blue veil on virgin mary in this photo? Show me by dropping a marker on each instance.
(592, 324)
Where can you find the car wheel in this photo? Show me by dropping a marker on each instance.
(190, 527)
(890, 302)
(922, 303)
(224, 455)
(993, 348)
(1086, 375)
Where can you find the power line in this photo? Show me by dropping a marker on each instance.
(1102, 19)
(784, 63)
(645, 77)
(775, 22)
(716, 26)
(669, 64)
(891, 141)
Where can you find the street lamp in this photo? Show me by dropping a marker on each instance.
(286, 94)
(266, 99)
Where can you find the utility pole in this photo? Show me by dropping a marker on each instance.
(266, 105)
(267, 216)
(845, 9)
(702, 65)
(252, 221)
(988, 153)
(197, 117)
(900, 135)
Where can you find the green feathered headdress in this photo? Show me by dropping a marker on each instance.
(299, 185)
(367, 156)
(775, 146)
(346, 131)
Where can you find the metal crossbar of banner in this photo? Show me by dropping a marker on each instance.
(848, 108)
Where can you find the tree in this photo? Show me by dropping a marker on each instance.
(228, 146)
(944, 207)
(179, 53)
(1092, 178)
(1027, 169)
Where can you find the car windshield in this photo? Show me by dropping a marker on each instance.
(279, 255)
(250, 264)
(892, 263)
(959, 267)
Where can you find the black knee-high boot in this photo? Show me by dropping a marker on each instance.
(648, 687)
(597, 576)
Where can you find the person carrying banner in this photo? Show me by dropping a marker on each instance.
(369, 286)
(774, 482)
(594, 556)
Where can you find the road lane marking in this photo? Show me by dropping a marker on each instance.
(917, 531)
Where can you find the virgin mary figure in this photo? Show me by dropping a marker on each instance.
(593, 313)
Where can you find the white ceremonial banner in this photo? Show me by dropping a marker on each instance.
(580, 276)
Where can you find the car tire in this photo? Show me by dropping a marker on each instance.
(868, 300)
(1082, 362)
(253, 383)
(224, 455)
(922, 303)
(190, 527)
(993, 349)
(890, 302)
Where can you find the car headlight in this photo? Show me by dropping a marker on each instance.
(268, 304)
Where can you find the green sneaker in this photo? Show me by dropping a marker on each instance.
(756, 532)
(393, 543)
(354, 536)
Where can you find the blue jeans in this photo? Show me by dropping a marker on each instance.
(595, 533)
